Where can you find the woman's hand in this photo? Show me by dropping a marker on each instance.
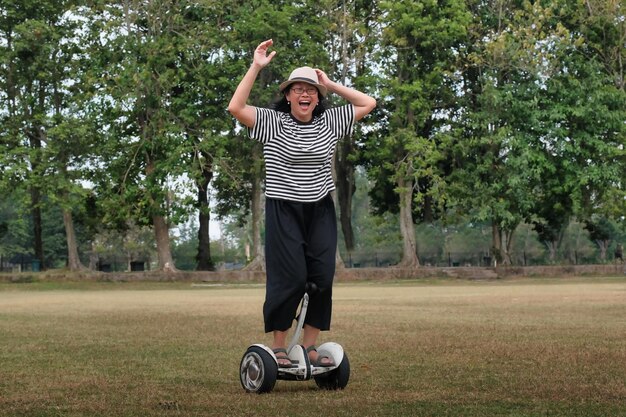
(261, 57)
(238, 105)
(323, 79)
(363, 104)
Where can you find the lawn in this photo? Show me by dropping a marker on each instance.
(527, 347)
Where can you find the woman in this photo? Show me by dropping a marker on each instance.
(299, 137)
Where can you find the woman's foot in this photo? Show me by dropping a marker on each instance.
(282, 358)
(317, 359)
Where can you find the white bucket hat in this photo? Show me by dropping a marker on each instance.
(304, 75)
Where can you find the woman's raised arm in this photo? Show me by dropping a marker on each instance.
(238, 105)
(363, 104)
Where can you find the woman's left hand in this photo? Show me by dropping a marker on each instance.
(363, 104)
(323, 78)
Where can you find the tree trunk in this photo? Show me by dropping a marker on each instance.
(501, 244)
(35, 200)
(339, 264)
(552, 248)
(203, 257)
(258, 257)
(407, 228)
(161, 232)
(507, 248)
(496, 243)
(73, 260)
(93, 257)
(345, 180)
(428, 215)
(603, 245)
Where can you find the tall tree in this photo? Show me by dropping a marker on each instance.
(164, 111)
(601, 29)
(523, 156)
(199, 100)
(418, 52)
(39, 58)
(495, 163)
(134, 43)
(586, 152)
(353, 37)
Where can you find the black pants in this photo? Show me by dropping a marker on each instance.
(300, 245)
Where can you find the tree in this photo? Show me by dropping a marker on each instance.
(496, 161)
(418, 54)
(601, 231)
(585, 151)
(601, 27)
(351, 39)
(199, 100)
(14, 236)
(39, 57)
(523, 156)
(164, 111)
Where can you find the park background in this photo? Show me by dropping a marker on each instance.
(498, 138)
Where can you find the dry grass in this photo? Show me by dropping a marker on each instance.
(440, 348)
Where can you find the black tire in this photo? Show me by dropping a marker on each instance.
(258, 371)
(337, 378)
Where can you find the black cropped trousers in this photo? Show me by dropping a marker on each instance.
(300, 246)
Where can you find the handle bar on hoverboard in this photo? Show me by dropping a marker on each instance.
(310, 287)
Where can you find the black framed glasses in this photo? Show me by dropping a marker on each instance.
(309, 90)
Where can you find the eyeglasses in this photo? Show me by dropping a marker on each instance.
(310, 91)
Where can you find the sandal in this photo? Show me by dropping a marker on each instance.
(291, 364)
(319, 362)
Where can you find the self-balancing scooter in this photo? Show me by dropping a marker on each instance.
(259, 368)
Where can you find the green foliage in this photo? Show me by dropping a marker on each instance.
(419, 51)
(14, 235)
(501, 114)
(135, 243)
(527, 155)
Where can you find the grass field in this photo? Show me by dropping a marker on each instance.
(532, 347)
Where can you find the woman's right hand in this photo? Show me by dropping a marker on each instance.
(261, 58)
(238, 106)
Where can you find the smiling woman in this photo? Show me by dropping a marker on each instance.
(299, 137)
(303, 96)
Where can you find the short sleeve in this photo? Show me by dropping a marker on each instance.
(266, 125)
(341, 120)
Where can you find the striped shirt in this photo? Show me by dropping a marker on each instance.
(298, 156)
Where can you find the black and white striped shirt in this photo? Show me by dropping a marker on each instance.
(298, 156)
